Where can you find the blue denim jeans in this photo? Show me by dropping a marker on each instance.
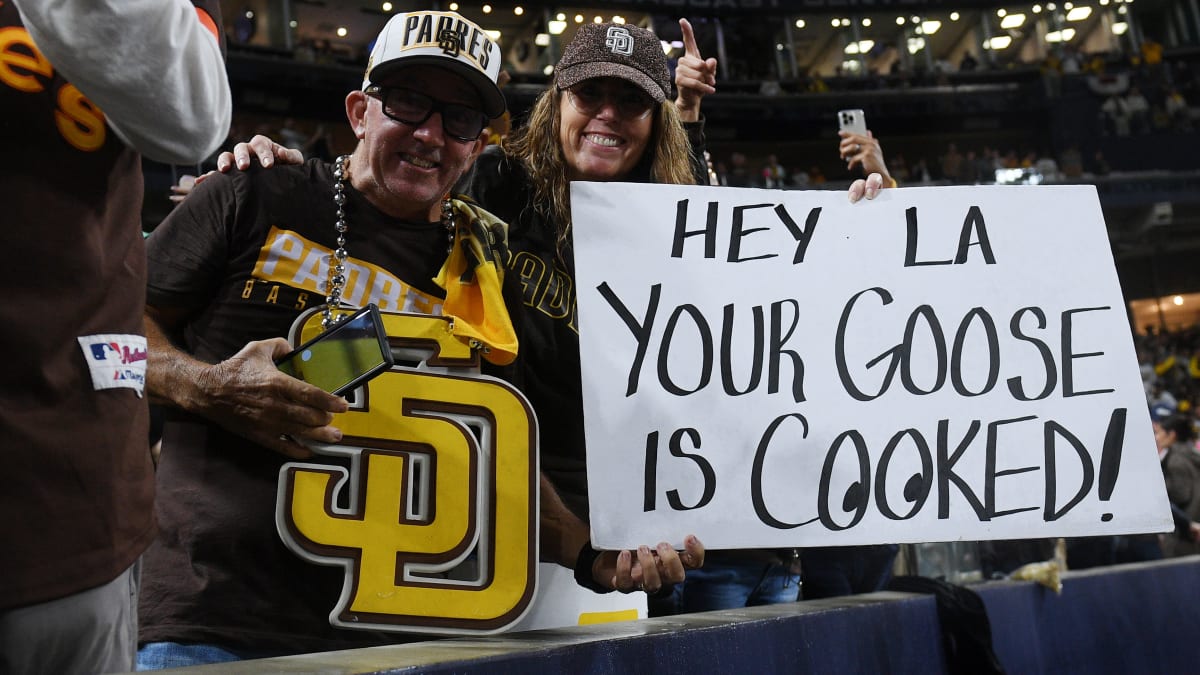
(732, 579)
(160, 655)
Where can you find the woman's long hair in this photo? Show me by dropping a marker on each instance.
(667, 158)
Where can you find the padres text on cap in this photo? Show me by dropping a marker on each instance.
(631, 53)
(443, 39)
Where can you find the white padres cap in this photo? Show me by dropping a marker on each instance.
(443, 39)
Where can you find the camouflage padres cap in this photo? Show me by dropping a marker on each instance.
(628, 52)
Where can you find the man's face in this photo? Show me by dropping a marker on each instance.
(1163, 438)
(605, 127)
(408, 168)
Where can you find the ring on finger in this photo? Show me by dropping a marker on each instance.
(857, 147)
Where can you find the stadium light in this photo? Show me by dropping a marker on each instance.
(1013, 21)
(1079, 13)
(931, 26)
(861, 47)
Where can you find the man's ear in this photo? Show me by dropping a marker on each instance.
(480, 144)
(356, 112)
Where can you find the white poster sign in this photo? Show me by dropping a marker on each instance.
(777, 368)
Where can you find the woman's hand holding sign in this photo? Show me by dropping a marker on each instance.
(652, 569)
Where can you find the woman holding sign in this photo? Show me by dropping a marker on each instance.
(605, 117)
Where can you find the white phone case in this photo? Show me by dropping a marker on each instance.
(854, 121)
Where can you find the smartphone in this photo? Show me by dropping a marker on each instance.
(854, 121)
(343, 357)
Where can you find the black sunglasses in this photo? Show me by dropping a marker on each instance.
(590, 96)
(413, 108)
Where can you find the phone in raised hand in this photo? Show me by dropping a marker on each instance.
(854, 121)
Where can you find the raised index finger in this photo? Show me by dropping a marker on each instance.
(689, 39)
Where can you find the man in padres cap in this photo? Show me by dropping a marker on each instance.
(231, 269)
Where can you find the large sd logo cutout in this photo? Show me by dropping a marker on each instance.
(435, 522)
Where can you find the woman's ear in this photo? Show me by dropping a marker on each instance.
(356, 112)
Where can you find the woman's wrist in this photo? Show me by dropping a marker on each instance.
(585, 564)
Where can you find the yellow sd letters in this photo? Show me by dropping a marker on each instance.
(435, 522)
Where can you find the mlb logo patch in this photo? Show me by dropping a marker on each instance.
(115, 361)
(100, 351)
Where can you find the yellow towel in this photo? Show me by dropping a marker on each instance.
(473, 277)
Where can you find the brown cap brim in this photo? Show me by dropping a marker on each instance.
(572, 75)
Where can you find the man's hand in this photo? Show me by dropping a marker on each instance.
(695, 76)
(265, 150)
(249, 396)
(648, 569)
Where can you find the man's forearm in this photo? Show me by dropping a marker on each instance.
(172, 375)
